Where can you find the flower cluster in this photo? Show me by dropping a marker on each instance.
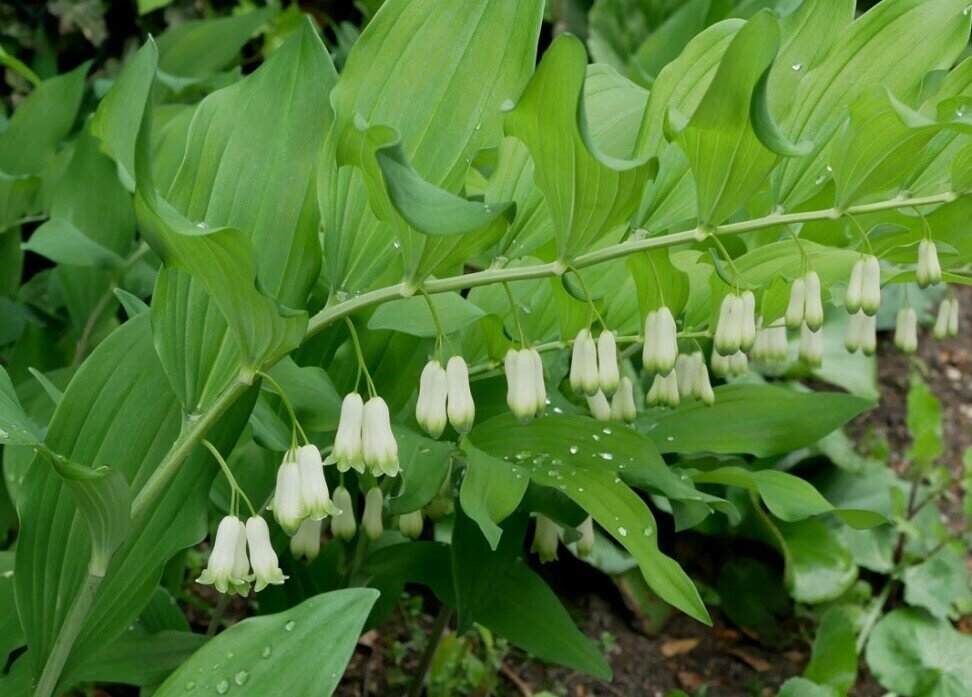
(301, 490)
(229, 568)
(444, 395)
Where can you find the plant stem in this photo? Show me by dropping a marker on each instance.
(66, 637)
(217, 617)
(441, 621)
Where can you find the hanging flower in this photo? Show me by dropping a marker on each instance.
(861, 333)
(224, 570)
(343, 524)
(770, 344)
(266, 568)
(664, 391)
(347, 442)
(288, 497)
(813, 313)
(729, 330)
(430, 409)
(607, 362)
(526, 393)
(811, 346)
(733, 365)
(660, 350)
(906, 331)
(928, 271)
(946, 323)
(747, 336)
(315, 495)
(623, 402)
(701, 386)
(585, 545)
(599, 407)
(545, 539)
(410, 524)
(871, 285)
(583, 364)
(462, 408)
(379, 447)
(306, 543)
(797, 306)
(371, 518)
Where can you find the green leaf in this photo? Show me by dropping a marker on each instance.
(412, 315)
(752, 596)
(311, 393)
(912, 654)
(11, 634)
(137, 658)
(425, 466)
(924, 420)
(801, 687)
(260, 654)
(818, 568)
(16, 428)
(658, 282)
(528, 614)
(589, 194)
(61, 242)
(834, 659)
(390, 568)
(787, 497)
(491, 490)
(937, 583)
(760, 420)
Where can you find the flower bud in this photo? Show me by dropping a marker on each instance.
(583, 365)
(685, 371)
(225, 570)
(868, 334)
(343, 524)
(871, 285)
(701, 387)
(545, 539)
(797, 304)
(855, 328)
(430, 409)
(748, 322)
(371, 518)
(953, 318)
(520, 395)
(729, 366)
(813, 313)
(661, 341)
(379, 447)
(664, 391)
(539, 386)
(941, 320)
(462, 408)
(585, 545)
(623, 402)
(410, 524)
(770, 344)
(599, 407)
(306, 544)
(906, 331)
(314, 493)
(266, 568)
(347, 441)
(811, 346)
(929, 271)
(607, 362)
(855, 288)
(729, 330)
(288, 497)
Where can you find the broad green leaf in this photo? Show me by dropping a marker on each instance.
(961, 172)
(425, 466)
(863, 55)
(137, 658)
(16, 428)
(491, 490)
(427, 48)
(787, 497)
(658, 282)
(590, 195)
(389, 568)
(311, 393)
(818, 569)
(802, 687)
(914, 654)
(305, 648)
(752, 596)
(528, 614)
(834, 659)
(924, 418)
(132, 418)
(937, 583)
(11, 634)
(761, 420)
(412, 315)
(61, 242)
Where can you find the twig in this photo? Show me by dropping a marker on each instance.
(441, 622)
(518, 682)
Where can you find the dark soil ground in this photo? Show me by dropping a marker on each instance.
(685, 655)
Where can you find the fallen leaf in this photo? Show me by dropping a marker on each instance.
(690, 681)
(755, 662)
(730, 636)
(676, 647)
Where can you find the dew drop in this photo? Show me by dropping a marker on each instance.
(267, 650)
(552, 473)
(4, 434)
(479, 126)
(241, 677)
(622, 532)
(290, 626)
(558, 410)
(607, 431)
(573, 449)
(960, 112)
(617, 480)
(648, 531)
(669, 438)
(222, 687)
(797, 66)
(190, 686)
(230, 655)
(596, 437)
(8, 573)
(607, 456)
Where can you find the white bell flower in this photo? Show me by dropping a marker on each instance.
(701, 386)
(928, 271)
(545, 539)
(379, 447)
(733, 365)
(953, 318)
(607, 362)
(599, 407)
(241, 565)
(664, 391)
(946, 323)
(306, 543)
(813, 313)
(347, 442)
(906, 330)
(430, 409)
(288, 498)
(748, 322)
(770, 344)
(661, 341)
(855, 328)
(410, 524)
(266, 567)
(371, 518)
(519, 377)
(729, 329)
(797, 305)
(316, 497)
(583, 364)
(855, 288)
(623, 402)
(539, 386)
(343, 524)
(871, 285)
(685, 371)
(462, 408)
(585, 545)
(811, 346)
(224, 570)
